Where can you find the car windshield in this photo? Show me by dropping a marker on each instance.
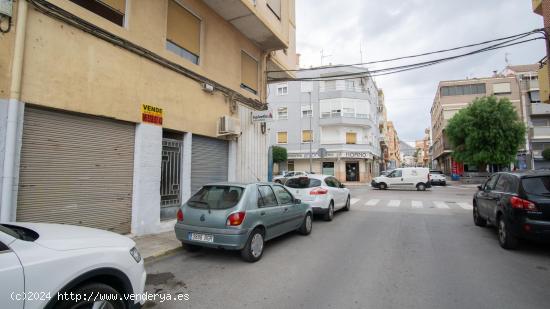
(303, 183)
(216, 197)
(536, 185)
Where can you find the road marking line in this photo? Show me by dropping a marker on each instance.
(466, 206)
(372, 202)
(394, 203)
(417, 204)
(354, 200)
(441, 205)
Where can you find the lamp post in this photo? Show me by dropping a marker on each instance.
(311, 135)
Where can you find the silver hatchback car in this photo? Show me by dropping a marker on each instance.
(240, 217)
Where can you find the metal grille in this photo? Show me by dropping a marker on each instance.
(170, 181)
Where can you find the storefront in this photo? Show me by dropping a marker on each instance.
(345, 166)
(209, 161)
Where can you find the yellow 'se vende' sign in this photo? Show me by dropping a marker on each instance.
(151, 114)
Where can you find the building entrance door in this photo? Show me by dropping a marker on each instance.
(352, 171)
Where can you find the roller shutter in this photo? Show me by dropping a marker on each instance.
(76, 170)
(209, 160)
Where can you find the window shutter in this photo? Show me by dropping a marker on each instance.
(183, 28)
(306, 136)
(502, 88)
(275, 6)
(117, 5)
(249, 71)
(351, 138)
(282, 137)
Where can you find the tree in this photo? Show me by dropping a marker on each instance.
(279, 154)
(488, 131)
(546, 154)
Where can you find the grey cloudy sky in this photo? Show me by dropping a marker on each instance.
(395, 28)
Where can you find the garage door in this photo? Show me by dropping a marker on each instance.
(209, 157)
(76, 170)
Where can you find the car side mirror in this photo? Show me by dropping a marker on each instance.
(342, 185)
(480, 188)
(297, 201)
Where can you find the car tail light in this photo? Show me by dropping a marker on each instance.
(519, 203)
(318, 191)
(235, 219)
(180, 215)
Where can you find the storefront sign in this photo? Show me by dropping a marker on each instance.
(358, 155)
(262, 116)
(151, 114)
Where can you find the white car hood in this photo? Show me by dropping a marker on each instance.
(69, 237)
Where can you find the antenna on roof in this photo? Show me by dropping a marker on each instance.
(323, 56)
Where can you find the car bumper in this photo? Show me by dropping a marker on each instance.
(438, 181)
(374, 184)
(230, 239)
(538, 230)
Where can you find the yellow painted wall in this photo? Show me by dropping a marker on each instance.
(69, 69)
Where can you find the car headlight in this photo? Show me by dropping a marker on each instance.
(135, 254)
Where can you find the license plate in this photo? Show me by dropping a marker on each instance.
(201, 237)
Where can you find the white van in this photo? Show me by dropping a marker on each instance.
(404, 178)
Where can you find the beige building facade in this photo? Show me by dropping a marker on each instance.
(124, 108)
(394, 151)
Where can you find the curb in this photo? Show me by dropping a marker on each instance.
(161, 254)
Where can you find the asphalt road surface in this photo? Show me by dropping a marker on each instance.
(394, 249)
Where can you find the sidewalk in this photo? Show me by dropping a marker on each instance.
(153, 246)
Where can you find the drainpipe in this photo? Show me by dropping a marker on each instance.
(6, 205)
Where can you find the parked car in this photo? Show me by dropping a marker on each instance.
(517, 203)
(240, 217)
(39, 260)
(403, 178)
(437, 177)
(286, 175)
(324, 193)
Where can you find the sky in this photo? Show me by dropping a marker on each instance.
(388, 29)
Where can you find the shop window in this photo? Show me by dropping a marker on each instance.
(183, 32)
(112, 10)
(290, 165)
(249, 73)
(328, 168)
(351, 138)
(307, 136)
(282, 137)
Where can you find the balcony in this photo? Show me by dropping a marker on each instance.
(544, 84)
(541, 133)
(540, 109)
(353, 148)
(537, 6)
(341, 120)
(243, 15)
(533, 85)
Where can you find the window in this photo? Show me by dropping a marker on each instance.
(183, 33)
(290, 165)
(283, 196)
(490, 184)
(350, 85)
(351, 138)
(328, 168)
(348, 109)
(534, 96)
(112, 10)
(282, 89)
(282, 137)
(3, 247)
(504, 184)
(307, 136)
(216, 197)
(332, 182)
(266, 197)
(536, 185)
(249, 73)
(396, 173)
(502, 88)
(463, 90)
(303, 183)
(282, 113)
(306, 111)
(330, 85)
(275, 7)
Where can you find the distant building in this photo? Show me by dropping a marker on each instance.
(384, 136)
(394, 152)
(422, 150)
(339, 116)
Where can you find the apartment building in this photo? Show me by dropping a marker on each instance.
(383, 127)
(333, 122)
(452, 96)
(422, 150)
(113, 112)
(542, 8)
(394, 148)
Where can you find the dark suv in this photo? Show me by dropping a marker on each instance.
(518, 204)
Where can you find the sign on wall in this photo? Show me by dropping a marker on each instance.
(262, 116)
(151, 114)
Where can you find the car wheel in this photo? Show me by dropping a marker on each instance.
(383, 186)
(421, 187)
(348, 204)
(505, 237)
(114, 299)
(307, 225)
(478, 220)
(254, 248)
(330, 212)
(190, 247)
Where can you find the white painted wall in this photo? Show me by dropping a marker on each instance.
(147, 171)
(252, 148)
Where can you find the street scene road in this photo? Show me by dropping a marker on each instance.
(394, 249)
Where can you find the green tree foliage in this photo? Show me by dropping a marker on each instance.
(488, 131)
(279, 154)
(546, 154)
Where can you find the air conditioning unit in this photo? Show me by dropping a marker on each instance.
(229, 126)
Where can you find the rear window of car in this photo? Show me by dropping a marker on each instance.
(216, 197)
(436, 172)
(303, 183)
(536, 185)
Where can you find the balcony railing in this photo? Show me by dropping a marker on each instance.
(331, 119)
(541, 132)
(337, 87)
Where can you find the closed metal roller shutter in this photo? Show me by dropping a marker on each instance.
(209, 160)
(76, 170)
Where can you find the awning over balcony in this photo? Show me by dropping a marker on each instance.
(242, 15)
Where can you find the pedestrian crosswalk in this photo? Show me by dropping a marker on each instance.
(412, 204)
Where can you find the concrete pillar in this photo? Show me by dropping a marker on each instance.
(147, 173)
(186, 167)
(232, 161)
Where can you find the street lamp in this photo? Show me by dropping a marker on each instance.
(311, 135)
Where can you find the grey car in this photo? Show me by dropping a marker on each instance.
(240, 217)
